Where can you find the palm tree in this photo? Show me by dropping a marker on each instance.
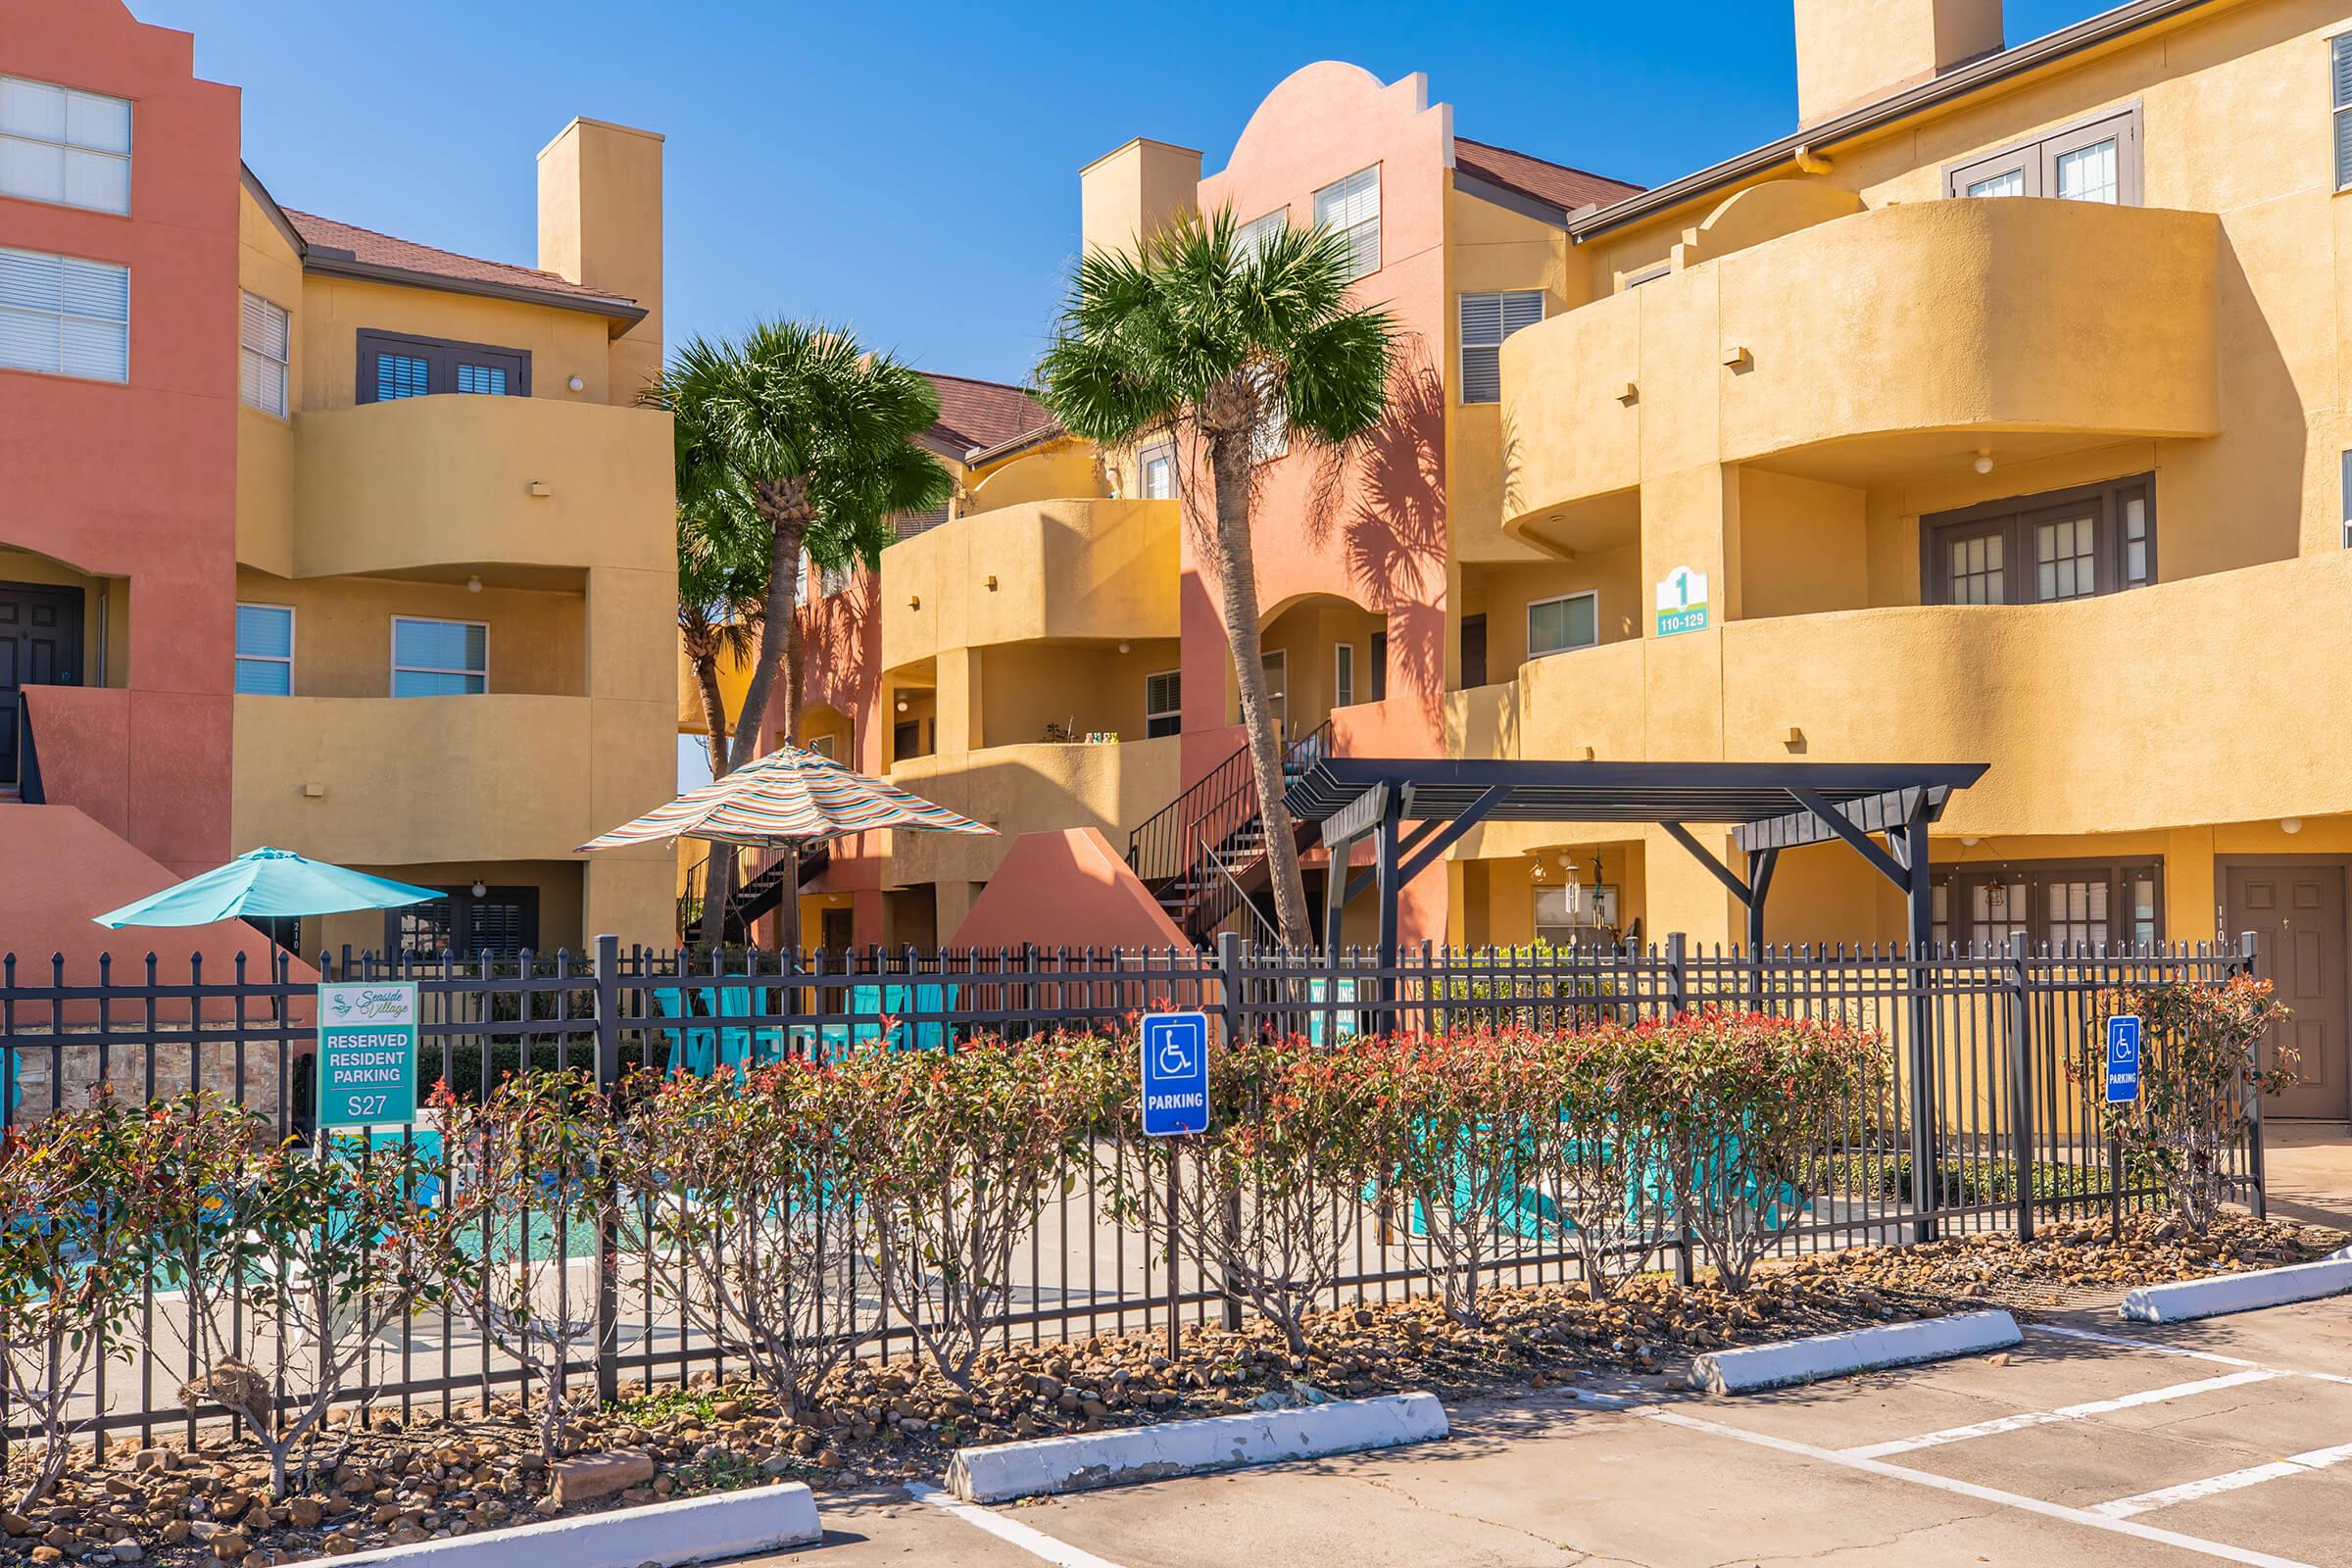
(796, 426)
(722, 594)
(1193, 333)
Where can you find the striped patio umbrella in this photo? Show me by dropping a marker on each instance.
(790, 796)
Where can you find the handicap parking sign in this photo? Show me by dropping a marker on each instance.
(2122, 1060)
(1175, 1074)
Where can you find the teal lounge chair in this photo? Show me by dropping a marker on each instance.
(693, 1050)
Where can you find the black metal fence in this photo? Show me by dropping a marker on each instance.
(1978, 1125)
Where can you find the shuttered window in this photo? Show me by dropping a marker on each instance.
(61, 145)
(2341, 73)
(1351, 207)
(439, 657)
(1258, 233)
(1486, 320)
(266, 650)
(395, 365)
(264, 340)
(1164, 702)
(64, 315)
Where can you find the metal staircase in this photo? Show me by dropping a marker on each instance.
(760, 893)
(1204, 854)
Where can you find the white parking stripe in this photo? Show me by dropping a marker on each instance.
(2159, 1348)
(2295, 1464)
(2221, 1550)
(1036, 1542)
(2069, 1412)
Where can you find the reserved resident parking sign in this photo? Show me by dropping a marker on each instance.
(366, 1054)
(1175, 1074)
(2122, 1060)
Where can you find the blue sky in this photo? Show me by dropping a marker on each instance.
(911, 169)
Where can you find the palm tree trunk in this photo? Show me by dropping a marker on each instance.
(1237, 567)
(783, 507)
(715, 707)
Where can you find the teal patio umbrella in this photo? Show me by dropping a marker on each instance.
(260, 883)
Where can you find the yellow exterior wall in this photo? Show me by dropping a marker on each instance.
(561, 906)
(1057, 470)
(560, 504)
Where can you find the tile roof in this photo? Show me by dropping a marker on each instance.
(1546, 181)
(976, 415)
(328, 239)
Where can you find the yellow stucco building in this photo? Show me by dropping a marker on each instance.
(456, 575)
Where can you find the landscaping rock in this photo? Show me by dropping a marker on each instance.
(599, 1475)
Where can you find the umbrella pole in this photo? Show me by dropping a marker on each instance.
(788, 911)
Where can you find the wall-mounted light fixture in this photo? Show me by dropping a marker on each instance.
(1984, 463)
(473, 585)
(576, 384)
(478, 888)
(2291, 825)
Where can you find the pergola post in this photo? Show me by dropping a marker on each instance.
(1911, 840)
(1392, 815)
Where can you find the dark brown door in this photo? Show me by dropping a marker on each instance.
(40, 644)
(2296, 913)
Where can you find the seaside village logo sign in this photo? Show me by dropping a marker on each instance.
(1682, 602)
(367, 1054)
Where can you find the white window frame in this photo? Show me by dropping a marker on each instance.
(399, 668)
(1158, 452)
(1278, 691)
(62, 316)
(1363, 231)
(1151, 713)
(1502, 299)
(831, 580)
(277, 367)
(1270, 436)
(2339, 98)
(824, 745)
(1534, 604)
(1343, 674)
(2345, 493)
(240, 655)
(13, 144)
(1251, 239)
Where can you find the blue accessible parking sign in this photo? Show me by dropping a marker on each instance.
(1175, 1074)
(2122, 1060)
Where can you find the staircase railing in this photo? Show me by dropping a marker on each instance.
(1223, 799)
(754, 896)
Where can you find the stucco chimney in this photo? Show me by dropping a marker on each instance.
(600, 226)
(1135, 191)
(1853, 52)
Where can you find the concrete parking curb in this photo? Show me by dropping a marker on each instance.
(1002, 1472)
(2185, 1300)
(727, 1524)
(1831, 1355)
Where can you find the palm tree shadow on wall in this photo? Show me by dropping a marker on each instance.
(1385, 494)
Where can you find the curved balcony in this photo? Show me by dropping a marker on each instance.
(2153, 709)
(1028, 789)
(1074, 569)
(1858, 348)
(426, 778)
(451, 481)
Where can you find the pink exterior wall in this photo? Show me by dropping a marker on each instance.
(841, 656)
(1069, 889)
(1377, 537)
(138, 480)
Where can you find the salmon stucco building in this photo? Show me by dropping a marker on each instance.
(1996, 414)
(313, 536)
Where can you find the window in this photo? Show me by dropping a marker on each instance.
(61, 145)
(2059, 903)
(1486, 319)
(264, 340)
(439, 657)
(394, 365)
(831, 580)
(2341, 98)
(1155, 470)
(909, 524)
(2097, 160)
(266, 650)
(2030, 550)
(1474, 651)
(827, 746)
(1343, 675)
(1252, 237)
(1351, 208)
(1270, 437)
(1164, 702)
(1556, 625)
(64, 315)
(1380, 667)
(499, 922)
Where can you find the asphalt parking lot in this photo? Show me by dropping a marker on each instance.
(2094, 1443)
